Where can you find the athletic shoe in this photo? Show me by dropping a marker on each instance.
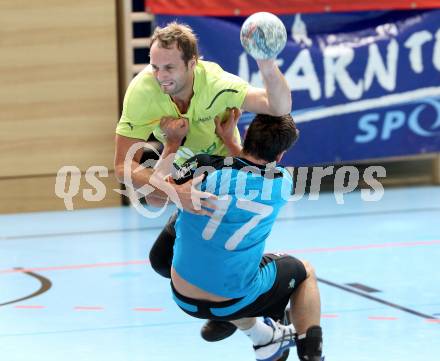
(282, 339)
(213, 331)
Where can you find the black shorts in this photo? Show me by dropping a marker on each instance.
(290, 274)
(161, 253)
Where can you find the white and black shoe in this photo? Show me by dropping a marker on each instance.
(282, 339)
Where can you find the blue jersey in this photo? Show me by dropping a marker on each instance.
(221, 253)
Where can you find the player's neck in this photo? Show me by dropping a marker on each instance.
(252, 159)
(182, 102)
(183, 98)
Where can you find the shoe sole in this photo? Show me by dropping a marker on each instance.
(282, 353)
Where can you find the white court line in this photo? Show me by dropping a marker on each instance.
(362, 105)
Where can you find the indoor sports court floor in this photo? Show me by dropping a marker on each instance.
(75, 286)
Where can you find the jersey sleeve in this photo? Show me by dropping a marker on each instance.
(135, 121)
(288, 182)
(223, 89)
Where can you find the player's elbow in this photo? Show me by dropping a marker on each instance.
(154, 201)
(279, 113)
(281, 109)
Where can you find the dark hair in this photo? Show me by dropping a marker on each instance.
(180, 34)
(269, 136)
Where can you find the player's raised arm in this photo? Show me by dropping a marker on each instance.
(275, 99)
(264, 36)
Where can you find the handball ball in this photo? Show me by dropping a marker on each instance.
(263, 35)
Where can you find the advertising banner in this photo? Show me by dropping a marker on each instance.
(364, 85)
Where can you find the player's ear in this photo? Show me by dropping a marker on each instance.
(192, 64)
(279, 157)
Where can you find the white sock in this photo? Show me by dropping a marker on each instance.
(260, 333)
(300, 337)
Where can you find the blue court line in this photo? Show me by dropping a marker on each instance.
(358, 214)
(350, 310)
(280, 219)
(73, 234)
(100, 329)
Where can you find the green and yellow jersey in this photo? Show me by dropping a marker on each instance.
(214, 91)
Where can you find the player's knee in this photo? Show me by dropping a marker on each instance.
(159, 264)
(310, 271)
